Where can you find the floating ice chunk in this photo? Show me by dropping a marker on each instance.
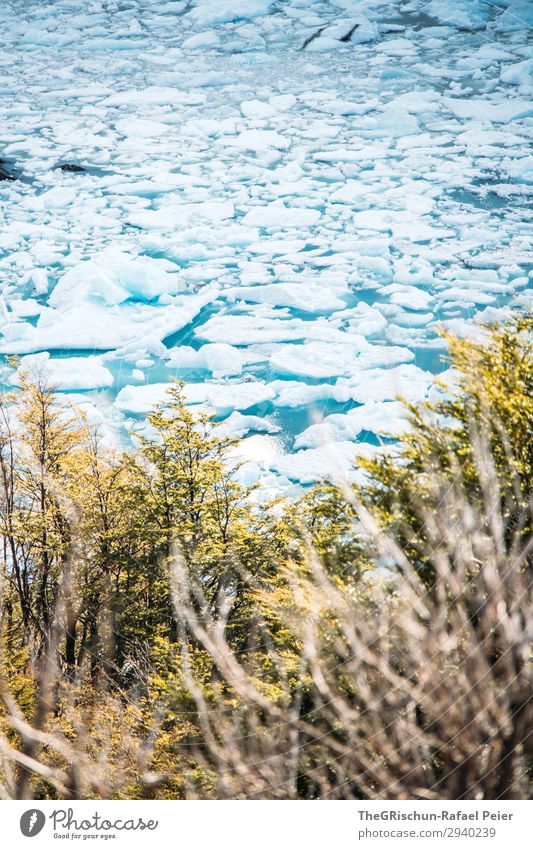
(465, 297)
(398, 47)
(518, 17)
(334, 428)
(211, 79)
(325, 360)
(209, 12)
(302, 296)
(58, 197)
(282, 102)
(39, 279)
(114, 277)
(368, 152)
(316, 359)
(203, 272)
(238, 426)
(384, 418)
(175, 217)
(379, 384)
(335, 461)
(24, 308)
(482, 109)
(465, 14)
(480, 136)
(384, 355)
(81, 92)
(36, 36)
(142, 128)
(153, 96)
(249, 473)
(376, 219)
(201, 241)
(98, 45)
(486, 280)
(276, 247)
(258, 140)
(219, 397)
(391, 122)
(520, 73)
(374, 266)
(420, 232)
(347, 107)
(408, 296)
(407, 319)
(201, 40)
(141, 400)
(489, 53)
(521, 170)
(274, 216)
(403, 224)
(425, 140)
(352, 192)
(465, 329)
(257, 109)
(220, 359)
(378, 247)
(418, 102)
(258, 329)
(223, 397)
(69, 373)
(292, 393)
(362, 319)
(94, 326)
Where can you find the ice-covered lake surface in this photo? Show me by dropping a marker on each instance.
(278, 202)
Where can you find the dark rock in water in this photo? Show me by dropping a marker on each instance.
(312, 37)
(72, 168)
(345, 38)
(4, 174)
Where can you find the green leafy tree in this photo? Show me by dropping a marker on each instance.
(195, 503)
(487, 411)
(44, 437)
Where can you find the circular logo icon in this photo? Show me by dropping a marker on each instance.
(32, 822)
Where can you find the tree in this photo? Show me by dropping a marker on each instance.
(37, 441)
(195, 503)
(488, 412)
(111, 601)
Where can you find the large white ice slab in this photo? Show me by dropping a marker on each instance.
(210, 12)
(385, 418)
(221, 359)
(336, 462)
(67, 373)
(115, 277)
(218, 397)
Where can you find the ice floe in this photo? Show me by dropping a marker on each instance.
(66, 373)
